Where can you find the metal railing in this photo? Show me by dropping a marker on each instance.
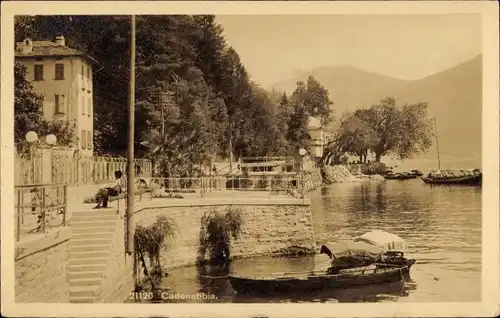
(288, 185)
(39, 207)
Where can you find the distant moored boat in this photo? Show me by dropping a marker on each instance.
(462, 177)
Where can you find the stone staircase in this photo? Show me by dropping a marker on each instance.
(90, 244)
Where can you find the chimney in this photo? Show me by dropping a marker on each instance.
(60, 40)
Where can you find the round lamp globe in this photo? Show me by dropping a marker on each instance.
(51, 139)
(31, 136)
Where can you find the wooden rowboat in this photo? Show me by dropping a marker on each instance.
(313, 281)
(400, 176)
(470, 180)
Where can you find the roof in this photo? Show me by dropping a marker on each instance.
(49, 48)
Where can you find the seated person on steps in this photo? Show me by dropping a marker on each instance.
(102, 196)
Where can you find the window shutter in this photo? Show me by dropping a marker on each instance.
(89, 139)
(62, 104)
(84, 139)
(83, 105)
(56, 103)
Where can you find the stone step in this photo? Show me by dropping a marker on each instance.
(93, 230)
(87, 255)
(89, 241)
(73, 282)
(80, 300)
(90, 223)
(89, 248)
(86, 267)
(87, 218)
(94, 213)
(88, 261)
(86, 274)
(83, 291)
(85, 235)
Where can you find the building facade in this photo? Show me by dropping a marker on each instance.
(64, 77)
(317, 134)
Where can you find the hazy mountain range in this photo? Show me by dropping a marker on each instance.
(454, 97)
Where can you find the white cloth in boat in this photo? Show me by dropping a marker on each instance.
(351, 248)
(385, 240)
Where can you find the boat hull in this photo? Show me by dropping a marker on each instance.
(311, 283)
(404, 264)
(400, 177)
(475, 180)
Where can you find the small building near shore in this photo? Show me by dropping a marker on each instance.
(317, 133)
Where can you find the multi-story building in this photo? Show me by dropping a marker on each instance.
(64, 76)
(317, 133)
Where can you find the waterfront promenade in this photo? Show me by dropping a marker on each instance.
(90, 248)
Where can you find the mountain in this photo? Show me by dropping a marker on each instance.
(454, 97)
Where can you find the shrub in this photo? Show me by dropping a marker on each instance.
(149, 241)
(217, 230)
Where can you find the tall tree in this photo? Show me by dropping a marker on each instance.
(318, 102)
(402, 132)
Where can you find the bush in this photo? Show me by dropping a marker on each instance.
(149, 241)
(217, 230)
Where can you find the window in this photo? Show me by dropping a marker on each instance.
(88, 73)
(83, 105)
(59, 71)
(84, 139)
(89, 140)
(83, 70)
(59, 103)
(38, 72)
(89, 104)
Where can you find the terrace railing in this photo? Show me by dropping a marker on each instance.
(39, 207)
(68, 166)
(288, 185)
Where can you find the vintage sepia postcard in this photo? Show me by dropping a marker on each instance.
(263, 159)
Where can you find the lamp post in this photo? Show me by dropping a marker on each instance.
(131, 129)
(32, 138)
(302, 153)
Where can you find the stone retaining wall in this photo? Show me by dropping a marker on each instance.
(40, 268)
(266, 229)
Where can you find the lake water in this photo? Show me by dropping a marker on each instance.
(442, 225)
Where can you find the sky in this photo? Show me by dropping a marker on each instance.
(274, 48)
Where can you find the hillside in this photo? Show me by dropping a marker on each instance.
(454, 97)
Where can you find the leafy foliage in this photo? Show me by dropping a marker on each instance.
(385, 129)
(150, 240)
(194, 97)
(217, 230)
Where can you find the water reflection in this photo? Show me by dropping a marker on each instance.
(442, 225)
(369, 293)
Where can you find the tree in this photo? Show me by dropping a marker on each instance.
(210, 98)
(317, 101)
(402, 132)
(28, 105)
(356, 137)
